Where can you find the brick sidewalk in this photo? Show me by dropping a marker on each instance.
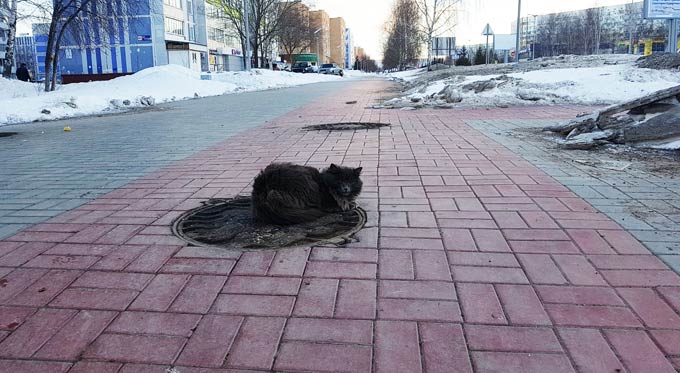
(472, 260)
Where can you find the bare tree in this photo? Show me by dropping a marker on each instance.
(68, 20)
(436, 16)
(294, 33)
(264, 20)
(404, 40)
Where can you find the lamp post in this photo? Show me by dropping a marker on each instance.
(246, 19)
(318, 52)
(519, 13)
(533, 37)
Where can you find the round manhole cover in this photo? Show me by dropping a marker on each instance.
(346, 126)
(228, 224)
(7, 134)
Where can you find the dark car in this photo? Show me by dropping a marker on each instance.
(303, 67)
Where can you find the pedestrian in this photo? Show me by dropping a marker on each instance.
(23, 74)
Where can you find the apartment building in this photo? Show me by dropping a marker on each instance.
(321, 38)
(337, 40)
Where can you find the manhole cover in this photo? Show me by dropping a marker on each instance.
(7, 134)
(228, 224)
(346, 126)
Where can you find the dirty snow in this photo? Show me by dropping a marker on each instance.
(25, 102)
(584, 81)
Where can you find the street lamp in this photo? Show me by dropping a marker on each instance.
(246, 19)
(318, 52)
(519, 13)
(533, 37)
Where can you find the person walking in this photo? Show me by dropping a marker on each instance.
(23, 74)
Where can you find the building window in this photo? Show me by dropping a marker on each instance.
(175, 3)
(174, 26)
(216, 34)
(214, 12)
(192, 32)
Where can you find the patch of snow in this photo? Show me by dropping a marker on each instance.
(407, 75)
(673, 145)
(25, 102)
(601, 84)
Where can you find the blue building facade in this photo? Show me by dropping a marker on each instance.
(152, 33)
(24, 52)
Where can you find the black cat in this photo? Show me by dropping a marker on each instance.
(284, 193)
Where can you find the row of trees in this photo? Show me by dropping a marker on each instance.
(413, 23)
(592, 31)
(269, 21)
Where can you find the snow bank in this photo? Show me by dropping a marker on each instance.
(600, 85)
(25, 102)
(407, 75)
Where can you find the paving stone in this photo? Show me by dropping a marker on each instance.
(637, 351)
(396, 347)
(472, 235)
(135, 348)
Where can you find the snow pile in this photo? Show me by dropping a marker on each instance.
(601, 85)
(407, 75)
(24, 102)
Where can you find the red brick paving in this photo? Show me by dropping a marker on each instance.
(472, 260)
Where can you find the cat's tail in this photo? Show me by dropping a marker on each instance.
(281, 209)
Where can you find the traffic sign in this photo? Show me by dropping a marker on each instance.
(487, 30)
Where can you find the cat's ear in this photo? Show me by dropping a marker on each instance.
(357, 171)
(333, 167)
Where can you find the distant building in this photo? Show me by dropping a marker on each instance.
(224, 47)
(321, 35)
(359, 53)
(337, 40)
(444, 49)
(609, 29)
(156, 33)
(24, 52)
(349, 49)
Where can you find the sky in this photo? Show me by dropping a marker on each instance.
(366, 18)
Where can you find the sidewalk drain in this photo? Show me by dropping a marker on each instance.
(228, 224)
(346, 126)
(7, 134)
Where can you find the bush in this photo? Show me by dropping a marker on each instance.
(463, 61)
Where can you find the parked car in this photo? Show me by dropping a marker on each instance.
(304, 67)
(331, 68)
(280, 66)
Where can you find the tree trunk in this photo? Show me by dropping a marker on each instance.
(55, 64)
(9, 51)
(49, 52)
(429, 52)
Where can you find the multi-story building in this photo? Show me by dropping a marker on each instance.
(359, 53)
(152, 33)
(24, 52)
(321, 39)
(295, 44)
(604, 29)
(349, 49)
(337, 40)
(224, 47)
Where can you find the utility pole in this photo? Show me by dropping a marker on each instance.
(519, 13)
(630, 28)
(533, 40)
(246, 19)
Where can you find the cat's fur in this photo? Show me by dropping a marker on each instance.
(284, 193)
